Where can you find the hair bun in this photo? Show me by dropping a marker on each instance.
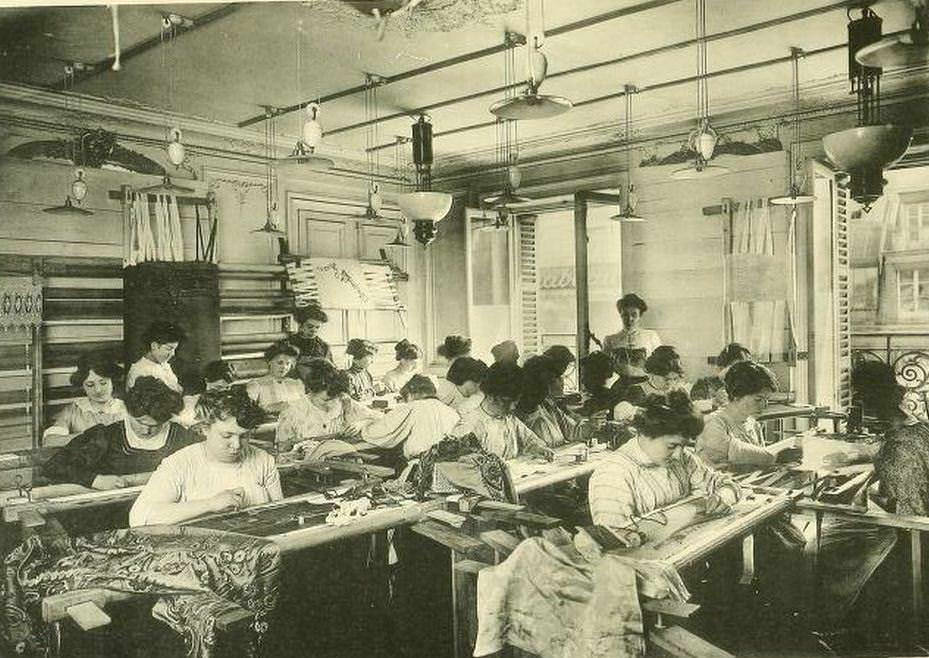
(680, 402)
(402, 346)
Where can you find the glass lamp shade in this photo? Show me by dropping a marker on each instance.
(175, 149)
(67, 209)
(699, 170)
(431, 206)
(867, 146)
(312, 130)
(896, 51)
(78, 186)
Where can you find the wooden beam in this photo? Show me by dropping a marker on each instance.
(599, 197)
(675, 641)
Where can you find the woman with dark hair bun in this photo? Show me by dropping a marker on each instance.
(161, 341)
(631, 307)
(407, 355)
(538, 410)
(563, 360)
(361, 383)
(493, 421)
(656, 468)
(460, 389)
(105, 455)
(310, 319)
(326, 409)
(665, 373)
(713, 388)
(222, 472)
(97, 375)
(732, 437)
(454, 347)
(273, 391)
(902, 461)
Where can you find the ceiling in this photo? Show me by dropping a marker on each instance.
(237, 57)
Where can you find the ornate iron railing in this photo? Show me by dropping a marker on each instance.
(908, 353)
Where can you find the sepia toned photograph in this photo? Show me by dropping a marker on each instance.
(453, 328)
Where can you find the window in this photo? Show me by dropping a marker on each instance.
(913, 293)
(917, 225)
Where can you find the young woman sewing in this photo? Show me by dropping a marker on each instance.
(273, 391)
(460, 389)
(96, 375)
(539, 411)
(161, 342)
(493, 421)
(361, 384)
(407, 356)
(417, 424)
(665, 373)
(657, 468)
(124, 453)
(731, 436)
(222, 472)
(325, 410)
(713, 388)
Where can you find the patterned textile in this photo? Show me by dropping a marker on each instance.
(462, 463)
(198, 574)
(548, 599)
(20, 303)
(902, 464)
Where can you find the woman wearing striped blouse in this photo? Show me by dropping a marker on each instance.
(655, 469)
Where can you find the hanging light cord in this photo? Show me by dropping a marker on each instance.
(629, 91)
(703, 104)
(796, 53)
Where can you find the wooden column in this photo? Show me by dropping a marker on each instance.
(580, 273)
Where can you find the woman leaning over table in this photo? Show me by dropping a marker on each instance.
(107, 456)
(326, 409)
(96, 374)
(656, 468)
(222, 472)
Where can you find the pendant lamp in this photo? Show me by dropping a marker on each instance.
(863, 152)
(909, 50)
(531, 104)
(78, 187)
(627, 210)
(795, 161)
(424, 207)
(272, 224)
(702, 140)
(507, 138)
(174, 146)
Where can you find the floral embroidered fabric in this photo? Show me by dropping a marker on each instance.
(199, 574)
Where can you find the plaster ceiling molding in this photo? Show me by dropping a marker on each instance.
(240, 186)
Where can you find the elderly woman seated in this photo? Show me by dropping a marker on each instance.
(96, 375)
(656, 468)
(731, 436)
(124, 453)
(325, 410)
(273, 391)
(222, 472)
(417, 424)
(493, 421)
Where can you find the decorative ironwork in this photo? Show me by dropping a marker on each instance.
(91, 148)
(911, 367)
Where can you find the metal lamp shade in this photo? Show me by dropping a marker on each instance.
(531, 106)
(867, 146)
(894, 52)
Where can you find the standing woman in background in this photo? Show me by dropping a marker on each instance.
(408, 356)
(96, 374)
(631, 307)
(273, 391)
(162, 340)
(311, 346)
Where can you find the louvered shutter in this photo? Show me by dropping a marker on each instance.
(529, 286)
(841, 296)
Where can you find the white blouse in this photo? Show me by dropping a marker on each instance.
(189, 475)
(81, 415)
(646, 339)
(418, 425)
(268, 391)
(505, 436)
(145, 367)
(302, 419)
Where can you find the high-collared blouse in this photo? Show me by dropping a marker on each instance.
(629, 484)
(301, 419)
(81, 415)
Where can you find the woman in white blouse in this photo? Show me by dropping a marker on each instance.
(408, 356)
(631, 307)
(222, 472)
(95, 375)
(161, 342)
(273, 391)
(326, 409)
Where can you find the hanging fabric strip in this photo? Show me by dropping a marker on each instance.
(177, 237)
